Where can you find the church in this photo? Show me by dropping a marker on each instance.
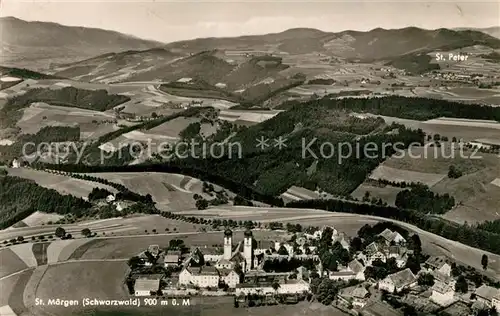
(242, 254)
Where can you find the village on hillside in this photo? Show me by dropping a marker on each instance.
(381, 271)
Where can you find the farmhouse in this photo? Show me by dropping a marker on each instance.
(371, 253)
(341, 275)
(355, 295)
(172, 259)
(398, 281)
(439, 264)
(489, 296)
(144, 286)
(442, 293)
(391, 237)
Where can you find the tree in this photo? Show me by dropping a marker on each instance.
(282, 251)
(154, 115)
(416, 244)
(276, 286)
(426, 279)
(201, 204)
(327, 291)
(134, 262)
(454, 172)
(461, 286)
(86, 232)
(60, 232)
(484, 261)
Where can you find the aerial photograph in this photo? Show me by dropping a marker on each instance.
(249, 157)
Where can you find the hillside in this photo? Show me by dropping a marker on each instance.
(375, 44)
(20, 197)
(492, 31)
(37, 44)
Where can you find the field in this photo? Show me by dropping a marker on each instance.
(468, 130)
(174, 127)
(170, 191)
(62, 184)
(39, 218)
(475, 192)
(295, 193)
(252, 117)
(386, 193)
(40, 114)
(401, 175)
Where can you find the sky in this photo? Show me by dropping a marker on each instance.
(171, 20)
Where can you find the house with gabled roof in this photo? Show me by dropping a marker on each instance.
(357, 296)
(489, 296)
(144, 286)
(443, 293)
(398, 281)
(391, 237)
(204, 276)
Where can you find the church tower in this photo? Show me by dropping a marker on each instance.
(248, 249)
(228, 244)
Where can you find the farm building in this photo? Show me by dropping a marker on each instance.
(392, 237)
(489, 296)
(398, 281)
(144, 286)
(442, 293)
(172, 259)
(355, 295)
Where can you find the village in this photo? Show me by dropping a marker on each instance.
(381, 271)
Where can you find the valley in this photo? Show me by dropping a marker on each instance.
(118, 153)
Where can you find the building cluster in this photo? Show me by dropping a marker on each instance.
(238, 267)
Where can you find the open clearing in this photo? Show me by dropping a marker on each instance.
(39, 218)
(247, 116)
(399, 175)
(386, 193)
(62, 184)
(39, 115)
(174, 127)
(170, 191)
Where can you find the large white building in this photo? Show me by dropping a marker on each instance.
(205, 276)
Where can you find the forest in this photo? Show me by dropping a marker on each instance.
(421, 198)
(46, 135)
(420, 109)
(98, 100)
(19, 198)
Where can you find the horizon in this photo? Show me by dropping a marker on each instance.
(163, 22)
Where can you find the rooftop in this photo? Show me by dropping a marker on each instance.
(402, 278)
(147, 284)
(487, 292)
(436, 261)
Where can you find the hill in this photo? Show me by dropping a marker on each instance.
(492, 31)
(375, 44)
(37, 44)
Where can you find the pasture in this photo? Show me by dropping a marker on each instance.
(62, 184)
(400, 175)
(170, 191)
(254, 117)
(39, 115)
(386, 193)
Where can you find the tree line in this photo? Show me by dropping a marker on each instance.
(406, 107)
(20, 198)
